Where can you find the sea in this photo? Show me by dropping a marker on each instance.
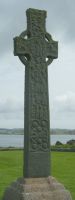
(18, 140)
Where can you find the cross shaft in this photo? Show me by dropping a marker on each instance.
(33, 52)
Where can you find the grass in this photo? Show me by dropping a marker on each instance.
(64, 147)
(63, 168)
(11, 163)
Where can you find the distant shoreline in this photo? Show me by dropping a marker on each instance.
(20, 131)
(52, 149)
(50, 134)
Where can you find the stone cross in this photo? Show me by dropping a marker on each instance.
(36, 50)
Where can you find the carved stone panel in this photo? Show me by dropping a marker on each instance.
(36, 52)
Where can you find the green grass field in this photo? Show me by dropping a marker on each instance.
(63, 168)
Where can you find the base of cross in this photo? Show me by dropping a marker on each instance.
(36, 189)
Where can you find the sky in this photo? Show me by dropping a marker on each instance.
(60, 23)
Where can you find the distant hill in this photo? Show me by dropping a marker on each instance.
(19, 131)
(62, 132)
(16, 131)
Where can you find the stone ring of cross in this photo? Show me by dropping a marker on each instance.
(24, 59)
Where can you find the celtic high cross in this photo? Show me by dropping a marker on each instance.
(36, 50)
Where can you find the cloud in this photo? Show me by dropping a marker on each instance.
(65, 102)
(11, 105)
(60, 24)
(63, 111)
(11, 113)
(61, 15)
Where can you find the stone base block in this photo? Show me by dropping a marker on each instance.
(36, 189)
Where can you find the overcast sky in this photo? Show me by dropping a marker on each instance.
(60, 23)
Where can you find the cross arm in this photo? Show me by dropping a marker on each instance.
(21, 46)
(52, 49)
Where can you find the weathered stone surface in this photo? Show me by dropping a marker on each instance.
(36, 52)
(37, 189)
